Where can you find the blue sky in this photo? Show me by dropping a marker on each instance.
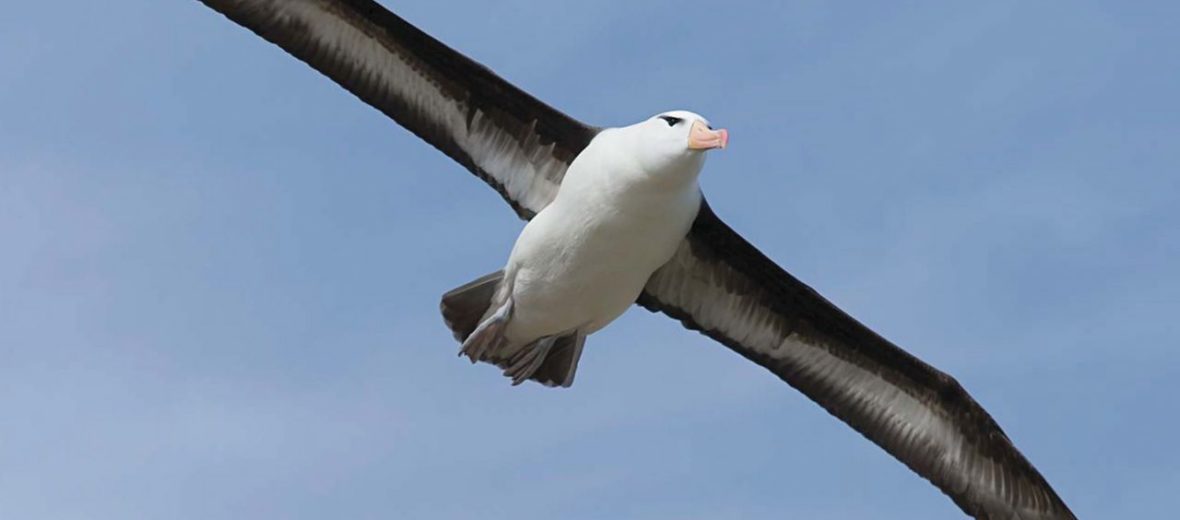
(220, 271)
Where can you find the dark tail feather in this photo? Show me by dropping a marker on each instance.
(562, 362)
(464, 307)
(549, 361)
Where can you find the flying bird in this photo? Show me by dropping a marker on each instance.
(615, 218)
(624, 206)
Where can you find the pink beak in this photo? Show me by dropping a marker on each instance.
(700, 137)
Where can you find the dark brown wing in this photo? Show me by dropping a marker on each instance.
(720, 285)
(717, 283)
(511, 140)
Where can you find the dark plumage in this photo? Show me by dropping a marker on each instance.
(717, 283)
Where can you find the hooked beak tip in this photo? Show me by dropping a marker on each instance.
(701, 137)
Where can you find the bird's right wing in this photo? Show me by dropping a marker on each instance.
(719, 284)
(514, 142)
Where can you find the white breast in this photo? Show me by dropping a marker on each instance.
(584, 259)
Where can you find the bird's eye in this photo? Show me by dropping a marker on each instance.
(672, 121)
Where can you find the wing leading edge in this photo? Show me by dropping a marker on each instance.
(717, 283)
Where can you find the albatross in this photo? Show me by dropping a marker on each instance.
(615, 218)
(624, 206)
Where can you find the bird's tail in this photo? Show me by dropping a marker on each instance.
(478, 315)
(464, 307)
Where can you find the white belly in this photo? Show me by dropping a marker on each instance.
(583, 261)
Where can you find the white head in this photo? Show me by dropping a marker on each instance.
(675, 141)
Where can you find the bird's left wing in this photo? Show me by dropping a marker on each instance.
(514, 142)
(719, 284)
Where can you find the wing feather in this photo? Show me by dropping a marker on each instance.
(717, 283)
(514, 142)
(720, 285)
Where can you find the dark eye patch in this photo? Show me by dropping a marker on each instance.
(672, 121)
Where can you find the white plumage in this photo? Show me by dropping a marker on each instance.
(626, 203)
(624, 207)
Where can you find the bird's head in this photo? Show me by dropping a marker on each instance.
(674, 139)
